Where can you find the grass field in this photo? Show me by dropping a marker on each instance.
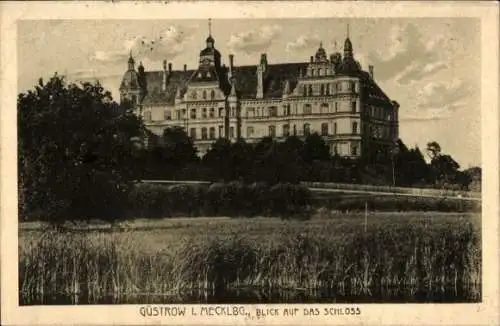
(415, 254)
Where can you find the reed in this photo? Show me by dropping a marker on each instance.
(413, 255)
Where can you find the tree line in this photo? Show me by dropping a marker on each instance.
(79, 153)
(173, 156)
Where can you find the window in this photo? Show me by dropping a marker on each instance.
(307, 129)
(324, 108)
(294, 130)
(324, 129)
(286, 130)
(203, 133)
(231, 132)
(233, 112)
(272, 131)
(354, 150)
(250, 131)
(335, 150)
(327, 89)
(338, 86)
(212, 132)
(310, 90)
(312, 72)
(304, 90)
(192, 133)
(167, 115)
(204, 94)
(320, 72)
(250, 112)
(183, 113)
(212, 95)
(353, 86)
(193, 114)
(221, 112)
(258, 112)
(273, 111)
(221, 129)
(307, 109)
(334, 128)
(353, 107)
(286, 109)
(147, 115)
(204, 113)
(336, 106)
(322, 90)
(354, 127)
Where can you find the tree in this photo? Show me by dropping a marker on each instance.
(76, 151)
(178, 148)
(433, 149)
(315, 149)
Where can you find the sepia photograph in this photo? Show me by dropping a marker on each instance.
(249, 161)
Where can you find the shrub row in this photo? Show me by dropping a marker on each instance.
(397, 203)
(219, 199)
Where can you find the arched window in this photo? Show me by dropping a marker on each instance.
(286, 130)
(324, 129)
(212, 95)
(272, 131)
(192, 133)
(204, 94)
(354, 127)
(307, 129)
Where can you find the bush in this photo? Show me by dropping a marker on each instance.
(219, 199)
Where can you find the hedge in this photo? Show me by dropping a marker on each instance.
(218, 199)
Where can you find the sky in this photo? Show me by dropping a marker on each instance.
(431, 66)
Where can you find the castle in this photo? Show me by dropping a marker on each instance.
(331, 96)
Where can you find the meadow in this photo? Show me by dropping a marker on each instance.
(342, 257)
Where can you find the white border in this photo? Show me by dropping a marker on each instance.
(387, 314)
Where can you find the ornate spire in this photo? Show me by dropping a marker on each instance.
(210, 39)
(347, 45)
(131, 62)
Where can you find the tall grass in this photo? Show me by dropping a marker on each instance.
(417, 257)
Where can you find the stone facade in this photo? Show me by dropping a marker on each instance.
(331, 96)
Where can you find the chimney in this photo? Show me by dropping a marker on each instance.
(370, 68)
(312, 59)
(185, 68)
(164, 82)
(263, 61)
(170, 67)
(231, 62)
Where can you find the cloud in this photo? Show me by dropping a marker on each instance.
(254, 41)
(439, 100)
(407, 56)
(167, 45)
(303, 42)
(418, 71)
